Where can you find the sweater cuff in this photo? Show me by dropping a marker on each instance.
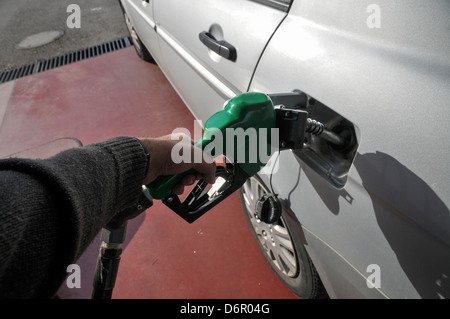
(131, 159)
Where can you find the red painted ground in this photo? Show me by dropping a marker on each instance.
(164, 257)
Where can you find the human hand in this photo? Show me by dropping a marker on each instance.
(161, 162)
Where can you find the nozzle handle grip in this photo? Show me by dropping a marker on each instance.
(163, 185)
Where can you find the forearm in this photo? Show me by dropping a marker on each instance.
(70, 197)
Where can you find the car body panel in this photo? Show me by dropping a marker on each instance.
(392, 83)
(339, 277)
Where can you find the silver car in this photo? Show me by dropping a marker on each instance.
(367, 221)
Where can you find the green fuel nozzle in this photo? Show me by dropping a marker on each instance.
(247, 132)
(234, 132)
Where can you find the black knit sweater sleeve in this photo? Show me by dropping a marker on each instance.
(50, 210)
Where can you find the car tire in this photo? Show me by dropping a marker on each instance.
(281, 245)
(140, 48)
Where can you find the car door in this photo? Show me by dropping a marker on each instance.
(191, 33)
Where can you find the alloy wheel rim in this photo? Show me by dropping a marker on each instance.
(274, 238)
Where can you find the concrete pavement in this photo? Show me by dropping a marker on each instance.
(101, 21)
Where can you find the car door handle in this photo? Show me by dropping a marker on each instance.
(221, 47)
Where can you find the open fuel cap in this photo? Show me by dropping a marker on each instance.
(268, 208)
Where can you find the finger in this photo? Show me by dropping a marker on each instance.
(206, 168)
(208, 172)
(188, 180)
(178, 189)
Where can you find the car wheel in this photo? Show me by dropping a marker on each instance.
(281, 247)
(141, 50)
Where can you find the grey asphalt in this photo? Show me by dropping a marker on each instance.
(101, 21)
